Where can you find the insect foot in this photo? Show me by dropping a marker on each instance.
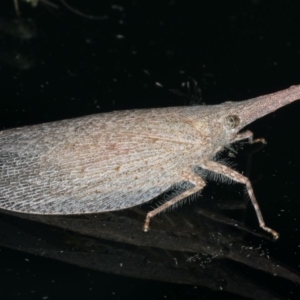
(270, 230)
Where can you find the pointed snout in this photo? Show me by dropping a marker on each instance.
(253, 109)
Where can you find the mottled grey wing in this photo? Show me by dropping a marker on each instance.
(86, 165)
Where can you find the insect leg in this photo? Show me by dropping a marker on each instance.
(190, 177)
(17, 9)
(235, 176)
(248, 135)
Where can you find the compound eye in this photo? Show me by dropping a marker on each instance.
(231, 122)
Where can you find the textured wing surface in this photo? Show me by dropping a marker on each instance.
(91, 164)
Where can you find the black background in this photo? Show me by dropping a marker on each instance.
(75, 66)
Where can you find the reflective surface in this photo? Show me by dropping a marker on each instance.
(55, 64)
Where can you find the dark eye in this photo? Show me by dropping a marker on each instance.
(231, 122)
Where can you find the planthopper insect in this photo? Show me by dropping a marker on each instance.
(113, 161)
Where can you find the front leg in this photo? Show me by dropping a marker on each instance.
(235, 176)
(248, 135)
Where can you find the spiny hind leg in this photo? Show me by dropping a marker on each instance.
(17, 9)
(235, 176)
(190, 177)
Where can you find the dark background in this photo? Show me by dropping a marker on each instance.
(70, 66)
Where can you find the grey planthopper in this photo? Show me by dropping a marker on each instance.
(117, 160)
